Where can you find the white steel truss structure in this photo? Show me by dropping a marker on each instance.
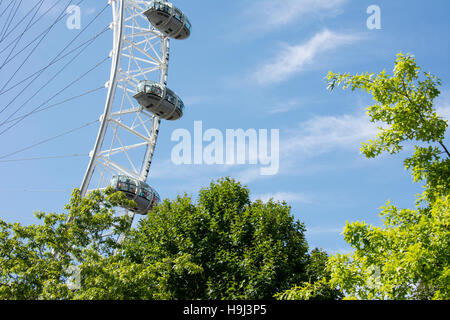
(127, 135)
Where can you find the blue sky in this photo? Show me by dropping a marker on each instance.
(250, 64)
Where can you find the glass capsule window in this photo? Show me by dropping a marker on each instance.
(145, 194)
(188, 24)
(166, 7)
(180, 105)
(126, 184)
(157, 5)
(150, 87)
(178, 15)
(171, 98)
(155, 89)
(129, 187)
(114, 181)
(156, 198)
(169, 8)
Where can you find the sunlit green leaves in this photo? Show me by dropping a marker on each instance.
(405, 108)
(35, 259)
(410, 254)
(221, 247)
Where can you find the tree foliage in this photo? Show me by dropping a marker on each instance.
(224, 246)
(404, 104)
(409, 257)
(35, 260)
(318, 286)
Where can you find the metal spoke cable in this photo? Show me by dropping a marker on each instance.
(86, 45)
(7, 22)
(46, 32)
(36, 21)
(56, 57)
(35, 190)
(10, 21)
(33, 9)
(23, 32)
(56, 104)
(88, 42)
(3, 12)
(56, 94)
(31, 53)
(6, 9)
(49, 139)
(75, 155)
(42, 87)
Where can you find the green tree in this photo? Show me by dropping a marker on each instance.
(318, 286)
(222, 247)
(35, 260)
(404, 104)
(409, 257)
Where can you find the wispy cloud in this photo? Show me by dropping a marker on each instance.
(293, 59)
(327, 133)
(313, 138)
(90, 10)
(444, 112)
(340, 250)
(283, 107)
(324, 230)
(290, 197)
(307, 140)
(272, 14)
(442, 104)
(194, 100)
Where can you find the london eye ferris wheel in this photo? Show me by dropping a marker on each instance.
(137, 99)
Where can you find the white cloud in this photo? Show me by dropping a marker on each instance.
(285, 106)
(270, 14)
(339, 250)
(442, 104)
(289, 197)
(90, 10)
(324, 134)
(324, 230)
(249, 174)
(194, 100)
(294, 59)
(444, 112)
(307, 140)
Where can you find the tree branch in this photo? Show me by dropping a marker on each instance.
(405, 94)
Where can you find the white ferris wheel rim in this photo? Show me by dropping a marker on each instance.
(137, 44)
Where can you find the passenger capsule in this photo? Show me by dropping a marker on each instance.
(159, 100)
(168, 19)
(141, 193)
